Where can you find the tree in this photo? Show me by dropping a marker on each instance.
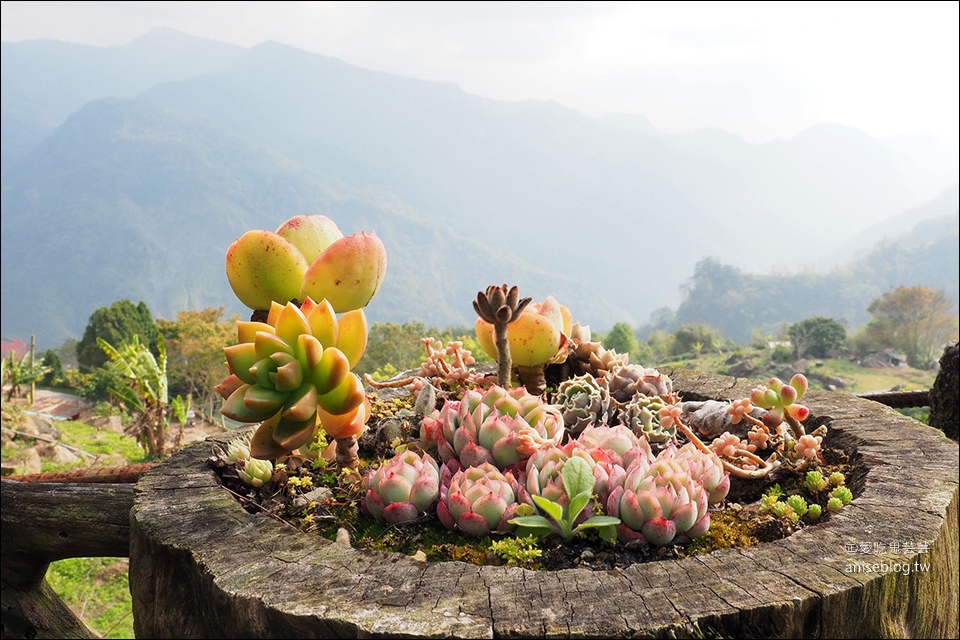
(621, 339)
(195, 360)
(816, 336)
(115, 324)
(395, 344)
(688, 335)
(917, 321)
(55, 375)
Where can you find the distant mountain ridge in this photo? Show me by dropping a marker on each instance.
(139, 198)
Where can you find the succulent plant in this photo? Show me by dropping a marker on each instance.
(402, 489)
(534, 334)
(584, 401)
(628, 381)
(705, 468)
(807, 446)
(544, 467)
(798, 504)
(815, 481)
(294, 370)
(588, 357)
(499, 426)
(480, 500)
(843, 494)
(779, 400)
(617, 444)
(569, 515)
(814, 511)
(237, 450)
(307, 256)
(642, 416)
(660, 504)
(255, 473)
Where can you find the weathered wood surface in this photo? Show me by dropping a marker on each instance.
(44, 522)
(200, 566)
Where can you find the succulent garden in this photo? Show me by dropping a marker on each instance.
(563, 454)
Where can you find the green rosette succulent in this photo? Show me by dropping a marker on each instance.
(292, 372)
(583, 401)
(642, 416)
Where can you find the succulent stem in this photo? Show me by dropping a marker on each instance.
(533, 378)
(500, 306)
(795, 426)
(347, 457)
(764, 467)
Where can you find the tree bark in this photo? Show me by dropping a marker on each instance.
(201, 566)
(44, 522)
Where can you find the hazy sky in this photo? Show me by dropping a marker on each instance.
(763, 70)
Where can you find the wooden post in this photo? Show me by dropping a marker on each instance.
(33, 359)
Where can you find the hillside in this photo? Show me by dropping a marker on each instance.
(129, 200)
(138, 197)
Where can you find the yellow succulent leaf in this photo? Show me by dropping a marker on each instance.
(330, 372)
(301, 404)
(274, 314)
(345, 397)
(291, 324)
(235, 407)
(263, 400)
(247, 331)
(267, 344)
(353, 335)
(240, 357)
(323, 323)
(486, 338)
(348, 273)
(262, 444)
(310, 233)
(534, 339)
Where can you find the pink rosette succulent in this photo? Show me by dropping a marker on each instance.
(499, 426)
(617, 444)
(544, 467)
(402, 489)
(705, 468)
(659, 505)
(480, 500)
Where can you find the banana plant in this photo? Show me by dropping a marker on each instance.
(144, 390)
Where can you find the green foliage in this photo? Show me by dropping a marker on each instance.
(18, 372)
(738, 303)
(143, 389)
(194, 343)
(577, 484)
(98, 591)
(115, 324)
(621, 338)
(782, 353)
(53, 377)
(816, 336)
(917, 321)
(517, 551)
(687, 338)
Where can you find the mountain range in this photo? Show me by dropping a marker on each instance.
(127, 171)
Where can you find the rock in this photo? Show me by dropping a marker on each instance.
(944, 412)
(29, 462)
(742, 369)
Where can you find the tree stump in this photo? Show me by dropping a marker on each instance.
(201, 566)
